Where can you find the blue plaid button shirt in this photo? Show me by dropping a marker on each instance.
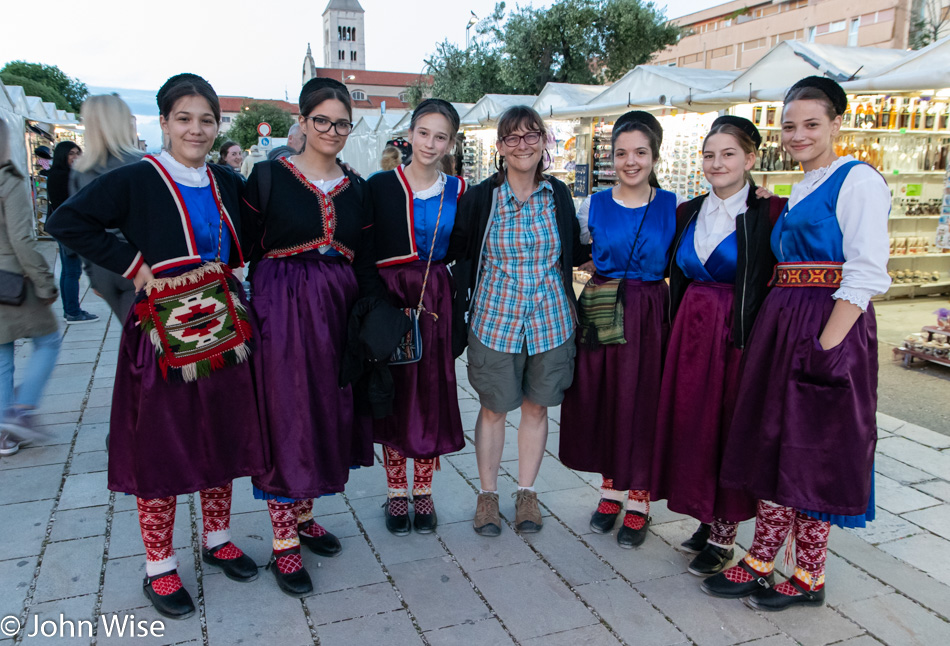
(521, 299)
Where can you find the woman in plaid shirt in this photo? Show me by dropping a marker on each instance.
(520, 227)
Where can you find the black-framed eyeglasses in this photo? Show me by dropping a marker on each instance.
(322, 124)
(530, 138)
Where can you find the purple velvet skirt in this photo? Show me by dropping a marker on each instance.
(302, 304)
(173, 438)
(804, 429)
(425, 422)
(608, 417)
(697, 399)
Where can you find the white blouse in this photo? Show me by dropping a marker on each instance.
(184, 175)
(717, 220)
(864, 203)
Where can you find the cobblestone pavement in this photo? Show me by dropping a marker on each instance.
(70, 548)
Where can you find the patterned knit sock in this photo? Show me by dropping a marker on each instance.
(722, 533)
(639, 500)
(811, 550)
(305, 523)
(611, 500)
(157, 522)
(395, 473)
(422, 471)
(283, 518)
(216, 521)
(772, 524)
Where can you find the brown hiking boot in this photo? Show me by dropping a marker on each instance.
(527, 513)
(487, 521)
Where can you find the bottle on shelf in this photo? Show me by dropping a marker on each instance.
(930, 118)
(770, 116)
(880, 112)
(945, 117)
(892, 115)
(846, 120)
(859, 116)
(903, 121)
(869, 117)
(915, 115)
(757, 115)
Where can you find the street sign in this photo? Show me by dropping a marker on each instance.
(263, 129)
(263, 142)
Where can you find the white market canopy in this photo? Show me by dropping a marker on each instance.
(488, 108)
(647, 86)
(562, 95)
(927, 68)
(788, 62)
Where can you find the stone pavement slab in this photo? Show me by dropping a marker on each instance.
(77, 550)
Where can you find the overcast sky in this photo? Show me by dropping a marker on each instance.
(239, 46)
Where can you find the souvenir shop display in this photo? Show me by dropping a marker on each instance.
(603, 175)
(680, 168)
(478, 156)
(907, 139)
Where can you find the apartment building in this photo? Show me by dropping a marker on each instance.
(734, 35)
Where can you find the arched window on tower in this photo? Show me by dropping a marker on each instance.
(353, 56)
(339, 33)
(354, 33)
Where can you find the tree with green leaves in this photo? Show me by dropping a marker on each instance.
(243, 128)
(573, 41)
(47, 82)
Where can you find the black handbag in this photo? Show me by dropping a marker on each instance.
(12, 288)
(409, 349)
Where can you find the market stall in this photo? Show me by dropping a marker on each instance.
(568, 139)
(478, 131)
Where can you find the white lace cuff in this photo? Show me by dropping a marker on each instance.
(859, 297)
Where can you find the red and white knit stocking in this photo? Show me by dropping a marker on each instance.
(396, 480)
(305, 522)
(422, 472)
(811, 550)
(637, 500)
(611, 499)
(772, 524)
(157, 522)
(216, 521)
(722, 533)
(283, 518)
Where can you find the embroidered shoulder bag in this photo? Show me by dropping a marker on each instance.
(196, 321)
(409, 349)
(600, 306)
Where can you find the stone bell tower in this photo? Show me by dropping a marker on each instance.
(344, 36)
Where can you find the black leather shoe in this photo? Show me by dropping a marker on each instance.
(294, 584)
(720, 586)
(327, 545)
(398, 523)
(427, 520)
(771, 600)
(697, 542)
(177, 605)
(629, 538)
(604, 523)
(243, 568)
(712, 560)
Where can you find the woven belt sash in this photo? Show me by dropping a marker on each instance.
(807, 274)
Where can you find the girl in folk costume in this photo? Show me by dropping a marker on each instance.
(803, 433)
(608, 418)
(414, 211)
(184, 414)
(310, 226)
(719, 275)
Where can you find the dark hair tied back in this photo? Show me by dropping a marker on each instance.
(646, 123)
(436, 106)
(805, 89)
(61, 154)
(318, 90)
(182, 85)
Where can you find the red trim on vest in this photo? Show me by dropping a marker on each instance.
(224, 213)
(179, 202)
(327, 213)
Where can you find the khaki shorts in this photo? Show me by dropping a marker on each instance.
(503, 380)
